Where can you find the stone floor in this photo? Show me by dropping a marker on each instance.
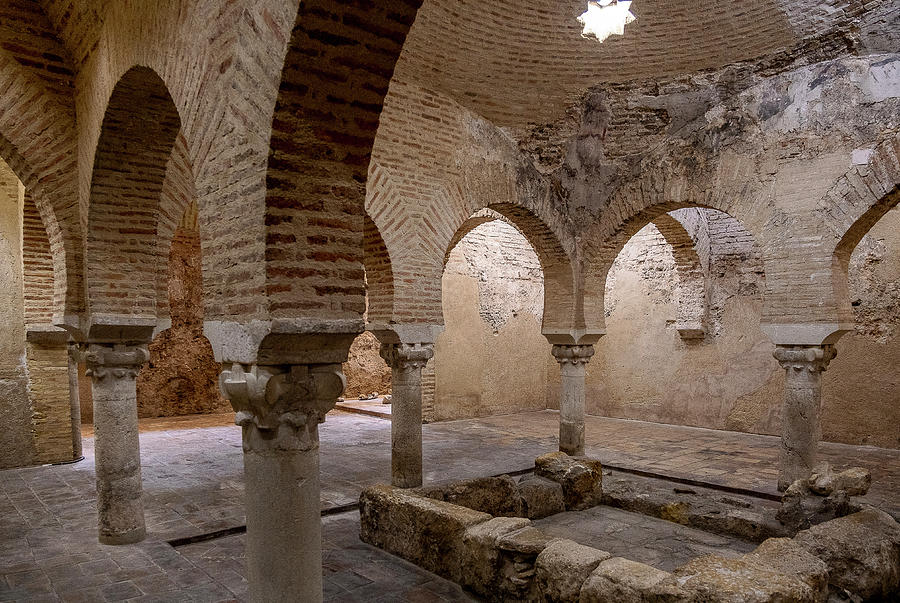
(193, 485)
(662, 544)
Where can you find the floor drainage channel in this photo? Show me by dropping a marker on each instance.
(340, 509)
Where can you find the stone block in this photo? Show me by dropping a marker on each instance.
(540, 497)
(498, 496)
(562, 567)
(745, 580)
(854, 481)
(483, 560)
(862, 552)
(580, 478)
(789, 557)
(426, 532)
(625, 581)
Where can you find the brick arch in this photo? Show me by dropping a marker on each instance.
(659, 191)
(130, 164)
(37, 263)
(692, 303)
(37, 141)
(338, 67)
(556, 264)
(859, 199)
(379, 275)
(177, 208)
(600, 256)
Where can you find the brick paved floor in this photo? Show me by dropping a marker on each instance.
(193, 485)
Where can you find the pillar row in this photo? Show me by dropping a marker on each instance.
(800, 426)
(406, 361)
(279, 408)
(572, 361)
(113, 368)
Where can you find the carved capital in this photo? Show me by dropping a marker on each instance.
(573, 354)
(76, 351)
(281, 406)
(407, 356)
(812, 359)
(116, 360)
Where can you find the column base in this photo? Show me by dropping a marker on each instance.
(132, 537)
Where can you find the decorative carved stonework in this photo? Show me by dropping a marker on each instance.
(805, 358)
(573, 354)
(407, 356)
(116, 360)
(280, 407)
(76, 351)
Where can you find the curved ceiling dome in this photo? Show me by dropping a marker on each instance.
(522, 62)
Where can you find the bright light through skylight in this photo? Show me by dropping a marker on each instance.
(605, 18)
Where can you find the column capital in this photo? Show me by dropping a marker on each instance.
(813, 358)
(281, 406)
(117, 360)
(76, 351)
(407, 356)
(572, 354)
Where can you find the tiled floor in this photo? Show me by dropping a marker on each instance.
(193, 484)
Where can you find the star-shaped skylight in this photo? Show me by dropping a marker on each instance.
(605, 18)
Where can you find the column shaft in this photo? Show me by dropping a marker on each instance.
(284, 526)
(406, 427)
(113, 370)
(406, 361)
(572, 360)
(74, 401)
(279, 409)
(800, 426)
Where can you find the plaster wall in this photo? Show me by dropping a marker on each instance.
(491, 357)
(729, 380)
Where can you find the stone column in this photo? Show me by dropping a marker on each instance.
(75, 352)
(279, 409)
(800, 428)
(113, 368)
(572, 361)
(406, 361)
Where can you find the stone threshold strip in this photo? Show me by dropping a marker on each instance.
(479, 534)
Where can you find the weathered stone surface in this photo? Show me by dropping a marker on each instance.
(744, 580)
(580, 478)
(822, 480)
(426, 532)
(732, 515)
(854, 481)
(498, 496)
(789, 557)
(483, 559)
(801, 508)
(527, 541)
(625, 581)
(562, 568)
(541, 497)
(862, 552)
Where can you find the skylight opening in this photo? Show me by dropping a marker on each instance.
(605, 18)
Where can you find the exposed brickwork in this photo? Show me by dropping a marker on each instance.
(136, 142)
(38, 267)
(337, 70)
(48, 389)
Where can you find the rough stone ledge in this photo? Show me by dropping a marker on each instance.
(852, 558)
(740, 516)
